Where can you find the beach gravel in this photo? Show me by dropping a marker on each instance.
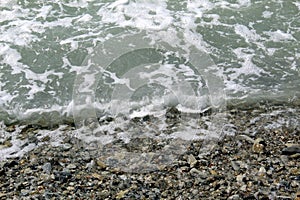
(259, 160)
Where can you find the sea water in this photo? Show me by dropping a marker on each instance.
(86, 60)
(44, 44)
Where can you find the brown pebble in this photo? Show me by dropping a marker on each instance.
(101, 164)
(258, 146)
(297, 196)
(11, 128)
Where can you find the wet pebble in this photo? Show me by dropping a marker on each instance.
(232, 169)
(47, 168)
(292, 149)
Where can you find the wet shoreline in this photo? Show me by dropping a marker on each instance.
(259, 160)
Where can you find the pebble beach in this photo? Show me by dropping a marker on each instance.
(260, 159)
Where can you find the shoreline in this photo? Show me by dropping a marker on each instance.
(63, 116)
(259, 160)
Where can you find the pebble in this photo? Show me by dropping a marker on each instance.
(235, 165)
(66, 146)
(90, 165)
(240, 178)
(11, 128)
(235, 197)
(104, 193)
(192, 160)
(2, 195)
(101, 164)
(121, 194)
(196, 172)
(70, 188)
(258, 145)
(245, 137)
(71, 166)
(6, 144)
(290, 150)
(297, 196)
(47, 168)
(262, 171)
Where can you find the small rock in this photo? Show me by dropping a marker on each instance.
(262, 172)
(297, 196)
(7, 143)
(295, 171)
(196, 172)
(97, 176)
(2, 195)
(235, 165)
(71, 166)
(192, 160)
(47, 168)
(234, 197)
(27, 170)
(24, 192)
(63, 176)
(258, 145)
(121, 194)
(245, 137)
(10, 129)
(90, 165)
(243, 188)
(296, 156)
(70, 188)
(213, 172)
(295, 184)
(46, 138)
(240, 178)
(66, 146)
(164, 193)
(195, 191)
(292, 149)
(101, 164)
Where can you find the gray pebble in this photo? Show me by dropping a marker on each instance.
(294, 149)
(47, 168)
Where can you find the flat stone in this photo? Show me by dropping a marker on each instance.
(292, 149)
(201, 174)
(70, 188)
(2, 195)
(71, 166)
(101, 164)
(192, 160)
(11, 128)
(234, 197)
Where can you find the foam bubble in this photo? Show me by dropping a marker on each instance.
(279, 35)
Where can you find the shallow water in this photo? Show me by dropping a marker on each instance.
(46, 46)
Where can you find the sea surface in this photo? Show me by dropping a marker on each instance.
(144, 72)
(59, 58)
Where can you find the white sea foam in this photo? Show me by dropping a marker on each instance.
(154, 15)
(29, 35)
(279, 35)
